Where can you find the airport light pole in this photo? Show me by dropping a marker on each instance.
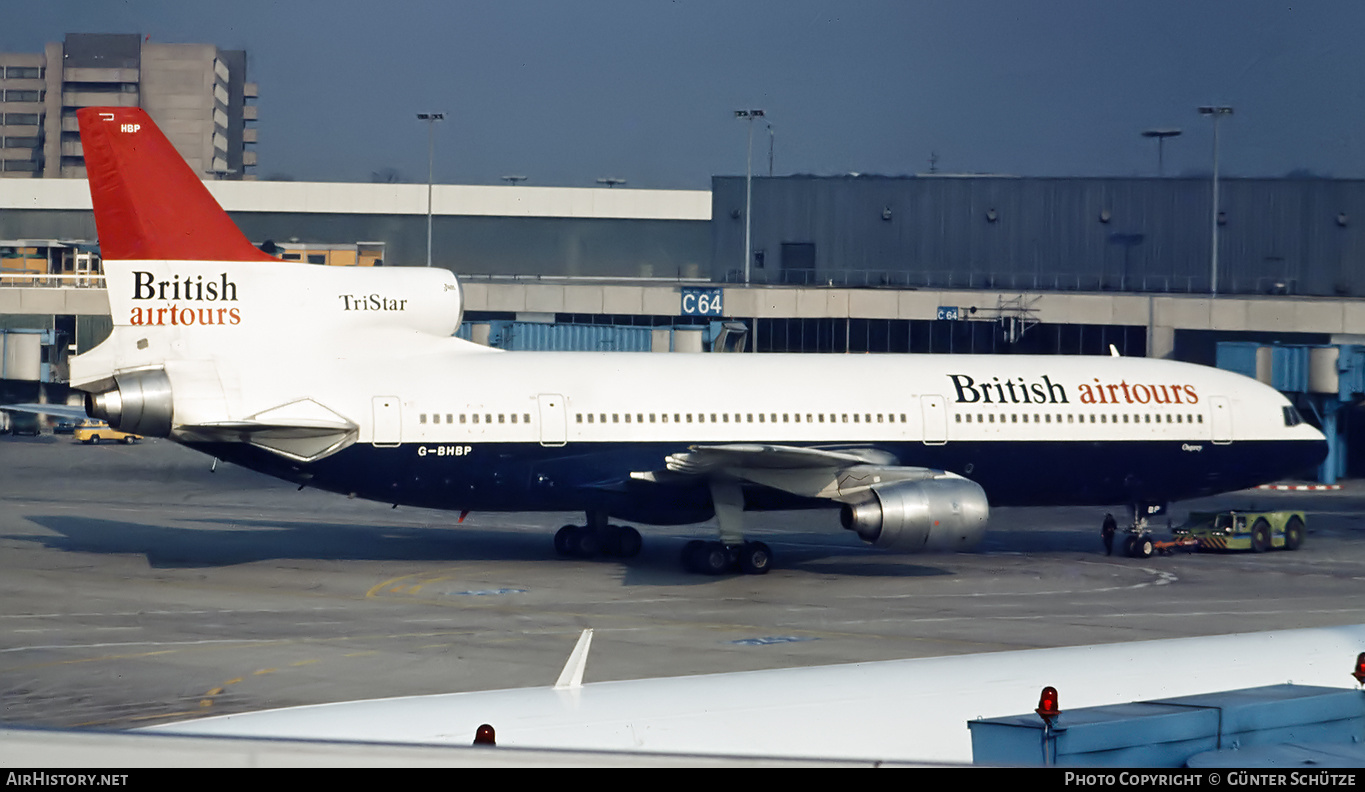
(1160, 135)
(1216, 112)
(748, 115)
(431, 119)
(771, 142)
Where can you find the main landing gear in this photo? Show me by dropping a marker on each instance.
(717, 558)
(732, 552)
(598, 537)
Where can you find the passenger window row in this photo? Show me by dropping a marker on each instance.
(816, 418)
(739, 418)
(474, 418)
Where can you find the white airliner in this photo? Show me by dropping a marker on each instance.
(349, 380)
(897, 710)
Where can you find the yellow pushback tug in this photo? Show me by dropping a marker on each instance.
(1256, 531)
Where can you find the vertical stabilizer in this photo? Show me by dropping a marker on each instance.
(148, 204)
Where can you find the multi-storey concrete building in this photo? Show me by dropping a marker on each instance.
(197, 93)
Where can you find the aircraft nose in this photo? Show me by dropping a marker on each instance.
(1315, 450)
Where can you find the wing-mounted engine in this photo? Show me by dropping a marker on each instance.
(945, 512)
(891, 506)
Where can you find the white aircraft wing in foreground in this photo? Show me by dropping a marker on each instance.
(901, 710)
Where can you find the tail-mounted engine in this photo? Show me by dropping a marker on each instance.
(946, 513)
(140, 403)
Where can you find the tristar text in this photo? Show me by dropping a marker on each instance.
(371, 302)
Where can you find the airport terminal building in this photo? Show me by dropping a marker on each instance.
(838, 264)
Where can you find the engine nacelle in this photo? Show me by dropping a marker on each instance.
(914, 516)
(140, 402)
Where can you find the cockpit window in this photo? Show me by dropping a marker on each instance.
(1291, 416)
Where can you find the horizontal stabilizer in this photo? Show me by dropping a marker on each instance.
(302, 443)
(302, 430)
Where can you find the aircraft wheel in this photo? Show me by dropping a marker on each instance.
(1130, 546)
(1142, 548)
(1260, 535)
(707, 558)
(627, 542)
(691, 554)
(564, 540)
(755, 558)
(584, 542)
(714, 558)
(608, 539)
(1293, 533)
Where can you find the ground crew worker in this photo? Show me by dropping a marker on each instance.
(1107, 533)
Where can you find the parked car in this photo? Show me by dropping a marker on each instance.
(92, 432)
(67, 426)
(25, 423)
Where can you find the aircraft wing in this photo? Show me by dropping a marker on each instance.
(890, 710)
(60, 410)
(704, 458)
(834, 473)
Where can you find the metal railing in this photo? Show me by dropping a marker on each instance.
(42, 280)
(945, 279)
(571, 279)
(1061, 282)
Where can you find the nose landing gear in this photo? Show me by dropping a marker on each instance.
(1138, 541)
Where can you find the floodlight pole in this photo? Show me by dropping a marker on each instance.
(1160, 135)
(431, 119)
(748, 115)
(771, 143)
(1217, 112)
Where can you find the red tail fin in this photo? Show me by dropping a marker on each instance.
(149, 205)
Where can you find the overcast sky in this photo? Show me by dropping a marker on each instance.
(568, 91)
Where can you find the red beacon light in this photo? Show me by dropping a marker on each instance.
(485, 736)
(1048, 708)
(1359, 673)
